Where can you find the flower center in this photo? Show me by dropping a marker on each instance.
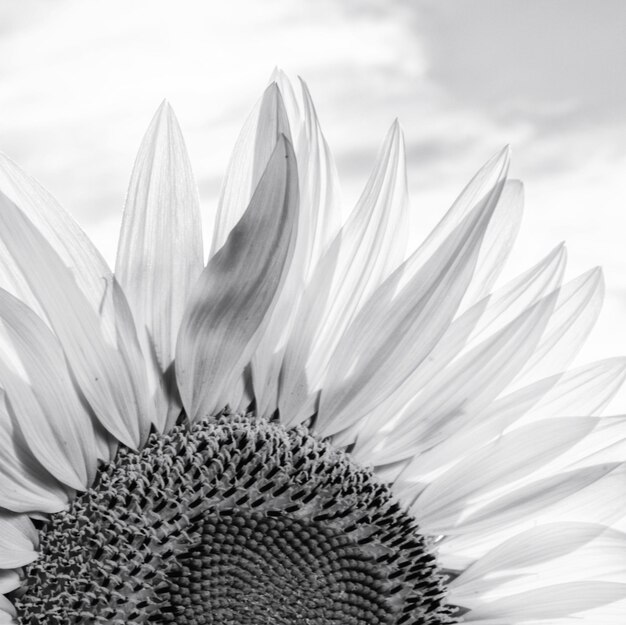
(233, 521)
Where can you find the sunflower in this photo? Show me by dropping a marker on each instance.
(317, 426)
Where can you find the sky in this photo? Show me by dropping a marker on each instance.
(80, 80)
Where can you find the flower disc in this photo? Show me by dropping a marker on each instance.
(234, 520)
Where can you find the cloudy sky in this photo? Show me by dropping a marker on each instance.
(80, 80)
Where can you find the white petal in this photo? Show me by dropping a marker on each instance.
(18, 540)
(524, 553)
(55, 424)
(498, 242)
(487, 316)
(522, 503)
(234, 293)
(98, 367)
(373, 357)
(371, 248)
(25, 486)
(576, 311)
(160, 249)
(466, 387)
(585, 390)
(295, 389)
(93, 276)
(253, 149)
(555, 601)
(7, 611)
(509, 458)
(318, 221)
(9, 580)
(488, 178)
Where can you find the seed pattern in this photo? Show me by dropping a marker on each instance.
(233, 521)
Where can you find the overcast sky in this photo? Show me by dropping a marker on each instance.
(80, 80)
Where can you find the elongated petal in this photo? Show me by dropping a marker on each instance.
(7, 611)
(486, 316)
(368, 252)
(18, 540)
(295, 388)
(509, 458)
(65, 237)
(530, 548)
(25, 486)
(556, 601)
(159, 256)
(65, 446)
(256, 143)
(318, 222)
(96, 365)
(372, 359)
(522, 503)
(576, 311)
(498, 242)
(466, 387)
(9, 580)
(232, 298)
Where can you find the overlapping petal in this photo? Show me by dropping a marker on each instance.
(231, 300)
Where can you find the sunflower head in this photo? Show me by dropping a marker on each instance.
(319, 424)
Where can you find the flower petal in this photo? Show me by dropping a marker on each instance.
(65, 237)
(160, 256)
(65, 446)
(318, 222)
(486, 316)
(369, 250)
(9, 580)
(497, 243)
(98, 367)
(231, 300)
(467, 387)
(256, 143)
(523, 502)
(7, 611)
(504, 461)
(556, 601)
(371, 359)
(576, 311)
(530, 548)
(25, 486)
(18, 540)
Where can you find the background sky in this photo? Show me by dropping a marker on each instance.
(80, 80)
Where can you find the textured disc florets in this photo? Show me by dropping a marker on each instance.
(233, 521)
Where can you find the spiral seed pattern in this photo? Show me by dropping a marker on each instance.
(233, 521)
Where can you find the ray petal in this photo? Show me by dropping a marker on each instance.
(18, 540)
(556, 601)
(257, 140)
(488, 315)
(65, 237)
(97, 366)
(65, 446)
(521, 503)
(372, 360)
(25, 486)
(160, 249)
(509, 458)
(318, 222)
(236, 290)
(466, 387)
(576, 311)
(530, 548)
(498, 242)
(371, 249)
